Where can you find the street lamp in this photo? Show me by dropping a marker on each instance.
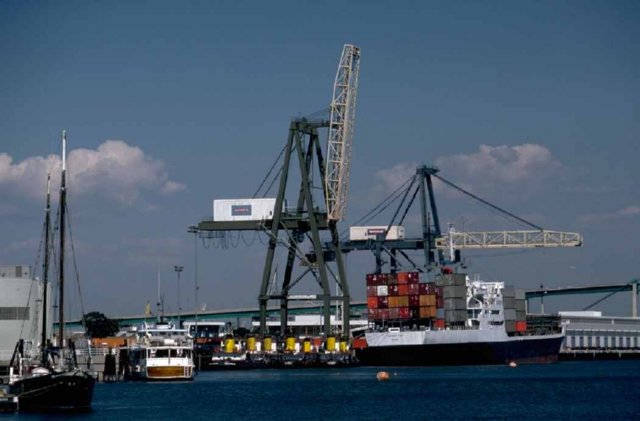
(193, 229)
(178, 269)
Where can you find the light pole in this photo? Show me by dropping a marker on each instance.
(194, 230)
(178, 269)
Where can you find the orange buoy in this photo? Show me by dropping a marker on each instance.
(382, 376)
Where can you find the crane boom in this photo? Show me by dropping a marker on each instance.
(508, 239)
(343, 106)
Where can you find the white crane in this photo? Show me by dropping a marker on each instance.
(343, 106)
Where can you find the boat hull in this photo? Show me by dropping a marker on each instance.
(57, 392)
(542, 349)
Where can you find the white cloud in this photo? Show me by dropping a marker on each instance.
(115, 169)
(507, 164)
(489, 169)
(626, 212)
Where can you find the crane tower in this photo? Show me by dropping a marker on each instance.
(342, 107)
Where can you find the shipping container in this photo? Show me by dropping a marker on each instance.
(509, 291)
(439, 301)
(510, 326)
(225, 210)
(414, 289)
(455, 316)
(383, 302)
(403, 289)
(392, 279)
(383, 290)
(425, 312)
(439, 323)
(414, 313)
(363, 233)
(454, 291)
(404, 313)
(424, 300)
(521, 326)
(427, 288)
(394, 313)
(414, 301)
(509, 302)
(383, 314)
(509, 314)
(393, 290)
(372, 291)
(455, 304)
(403, 278)
(393, 302)
(413, 277)
(452, 279)
(403, 301)
(372, 302)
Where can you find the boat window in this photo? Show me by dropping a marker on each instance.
(162, 353)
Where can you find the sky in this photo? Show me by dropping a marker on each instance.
(533, 106)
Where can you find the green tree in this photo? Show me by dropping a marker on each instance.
(100, 326)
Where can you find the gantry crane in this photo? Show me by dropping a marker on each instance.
(302, 225)
(434, 242)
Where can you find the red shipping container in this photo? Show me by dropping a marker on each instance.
(404, 313)
(371, 312)
(393, 302)
(372, 302)
(413, 277)
(521, 326)
(423, 289)
(383, 278)
(394, 290)
(439, 301)
(373, 279)
(392, 279)
(414, 301)
(394, 313)
(383, 302)
(383, 314)
(403, 278)
(403, 301)
(372, 291)
(414, 289)
(439, 324)
(403, 289)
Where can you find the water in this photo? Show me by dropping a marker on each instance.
(598, 390)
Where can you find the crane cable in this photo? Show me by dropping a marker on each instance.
(460, 189)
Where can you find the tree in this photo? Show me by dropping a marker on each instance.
(100, 326)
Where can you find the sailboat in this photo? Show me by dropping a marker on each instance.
(54, 383)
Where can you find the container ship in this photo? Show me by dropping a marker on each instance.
(452, 321)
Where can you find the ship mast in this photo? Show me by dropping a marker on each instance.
(63, 207)
(45, 282)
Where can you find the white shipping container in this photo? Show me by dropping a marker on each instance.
(225, 210)
(383, 291)
(362, 233)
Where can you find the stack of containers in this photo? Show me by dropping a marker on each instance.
(454, 291)
(402, 297)
(515, 318)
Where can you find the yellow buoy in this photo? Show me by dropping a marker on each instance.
(229, 344)
(382, 376)
(343, 345)
(266, 344)
(331, 343)
(306, 346)
(251, 343)
(290, 344)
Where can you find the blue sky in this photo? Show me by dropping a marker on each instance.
(531, 105)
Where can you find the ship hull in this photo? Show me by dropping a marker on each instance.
(57, 392)
(542, 349)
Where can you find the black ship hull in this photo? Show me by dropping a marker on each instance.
(56, 392)
(538, 350)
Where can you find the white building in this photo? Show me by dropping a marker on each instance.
(20, 310)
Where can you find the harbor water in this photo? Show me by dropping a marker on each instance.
(593, 390)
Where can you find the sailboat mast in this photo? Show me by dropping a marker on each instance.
(45, 282)
(63, 208)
